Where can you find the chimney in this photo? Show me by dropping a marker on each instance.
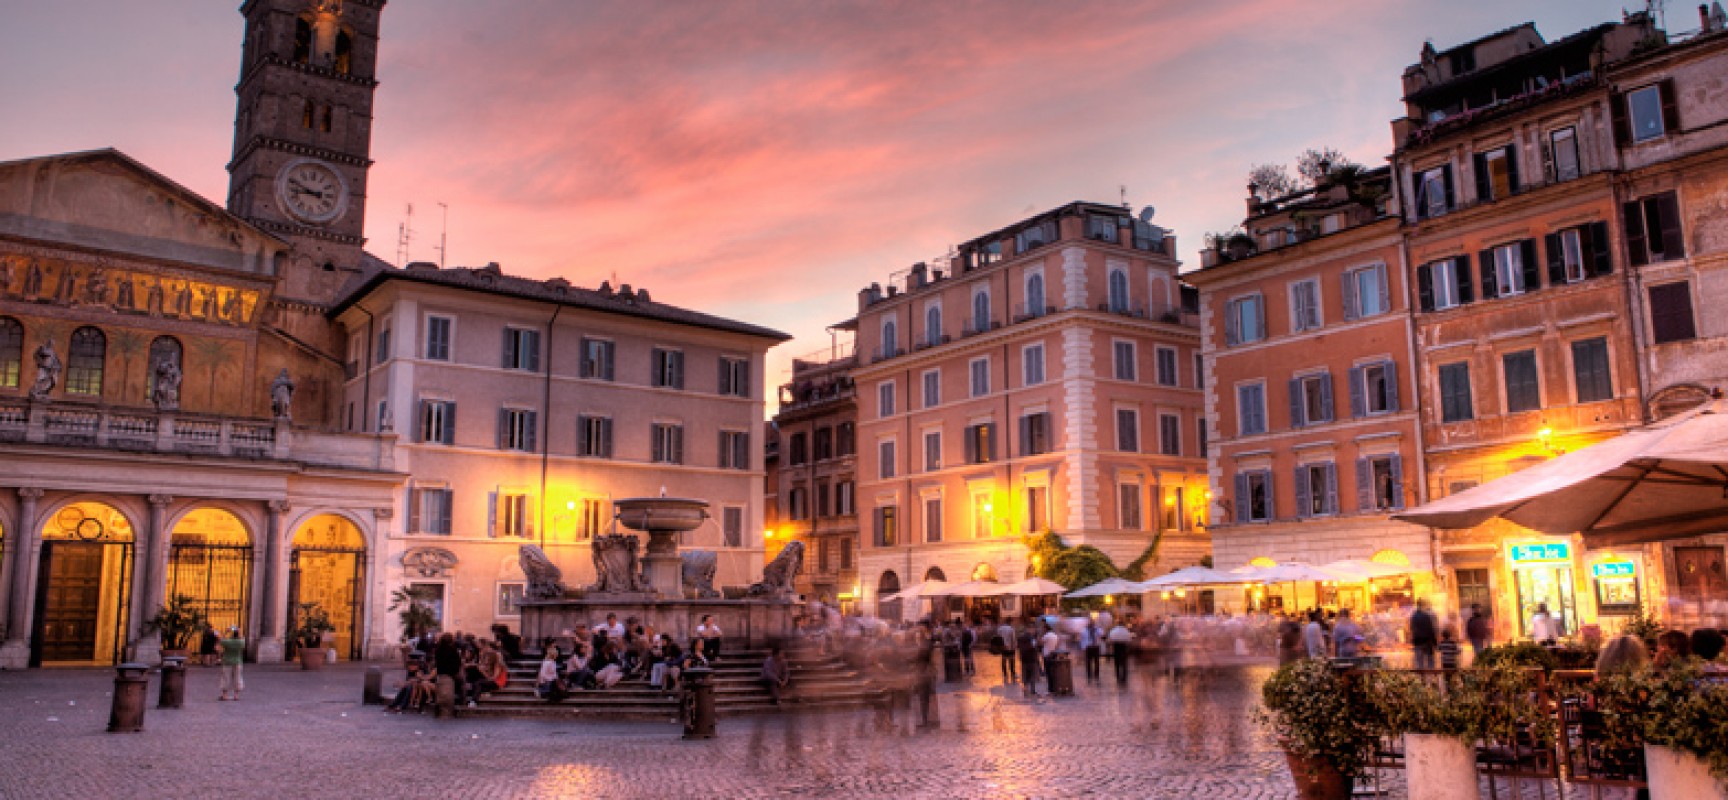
(1253, 198)
(916, 279)
(1703, 18)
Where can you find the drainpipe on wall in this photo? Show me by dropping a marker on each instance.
(1416, 395)
(546, 422)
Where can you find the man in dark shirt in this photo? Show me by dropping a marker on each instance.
(1424, 635)
(1478, 630)
(776, 673)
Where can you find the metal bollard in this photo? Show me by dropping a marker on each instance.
(131, 684)
(372, 693)
(446, 697)
(951, 665)
(173, 691)
(698, 703)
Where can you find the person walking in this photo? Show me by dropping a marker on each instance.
(1050, 644)
(1006, 646)
(1092, 643)
(1346, 636)
(1424, 635)
(1478, 630)
(1026, 641)
(232, 651)
(1314, 637)
(1289, 639)
(968, 638)
(1544, 629)
(1120, 639)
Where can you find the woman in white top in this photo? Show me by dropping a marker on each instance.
(709, 633)
(1543, 627)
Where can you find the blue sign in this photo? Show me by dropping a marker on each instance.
(1547, 552)
(1613, 569)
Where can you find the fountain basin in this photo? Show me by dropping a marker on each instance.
(669, 514)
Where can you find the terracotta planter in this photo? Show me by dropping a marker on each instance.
(1676, 774)
(1439, 768)
(312, 658)
(1317, 779)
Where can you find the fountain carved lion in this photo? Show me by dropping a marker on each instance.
(778, 575)
(545, 580)
(699, 568)
(616, 564)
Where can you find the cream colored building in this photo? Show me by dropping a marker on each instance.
(522, 408)
(1045, 380)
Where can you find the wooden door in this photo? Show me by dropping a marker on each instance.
(71, 600)
(1698, 573)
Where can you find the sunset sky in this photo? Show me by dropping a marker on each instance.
(765, 160)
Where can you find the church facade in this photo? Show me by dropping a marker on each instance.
(240, 405)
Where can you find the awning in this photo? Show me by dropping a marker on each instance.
(1032, 587)
(1108, 586)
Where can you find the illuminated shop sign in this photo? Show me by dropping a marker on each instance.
(1613, 569)
(1541, 553)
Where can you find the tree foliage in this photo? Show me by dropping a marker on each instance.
(1272, 180)
(1318, 163)
(1312, 166)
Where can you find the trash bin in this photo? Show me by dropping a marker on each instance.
(698, 704)
(131, 684)
(173, 691)
(951, 668)
(1061, 675)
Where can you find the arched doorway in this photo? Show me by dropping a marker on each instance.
(935, 574)
(82, 587)
(210, 560)
(327, 566)
(888, 584)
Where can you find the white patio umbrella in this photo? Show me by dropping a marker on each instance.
(1190, 576)
(1358, 570)
(970, 589)
(1032, 587)
(916, 590)
(1108, 586)
(1665, 480)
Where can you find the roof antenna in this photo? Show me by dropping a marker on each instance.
(1125, 196)
(443, 234)
(404, 237)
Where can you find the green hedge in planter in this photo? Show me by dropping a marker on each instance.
(1316, 712)
(1674, 707)
(1493, 703)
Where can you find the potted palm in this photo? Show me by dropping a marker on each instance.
(1324, 723)
(178, 622)
(416, 615)
(308, 635)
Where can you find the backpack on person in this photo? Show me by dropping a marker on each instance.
(997, 646)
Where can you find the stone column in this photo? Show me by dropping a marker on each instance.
(275, 589)
(149, 579)
(24, 549)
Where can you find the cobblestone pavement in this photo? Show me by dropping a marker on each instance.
(306, 733)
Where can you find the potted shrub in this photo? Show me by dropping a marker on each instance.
(308, 635)
(1324, 723)
(1682, 722)
(178, 622)
(1440, 728)
(416, 616)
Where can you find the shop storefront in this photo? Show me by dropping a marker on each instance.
(1542, 575)
(1617, 583)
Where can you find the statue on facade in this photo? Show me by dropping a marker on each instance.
(616, 557)
(282, 395)
(699, 569)
(777, 577)
(545, 580)
(96, 289)
(48, 368)
(123, 290)
(165, 385)
(33, 279)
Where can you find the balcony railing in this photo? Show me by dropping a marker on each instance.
(977, 326)
(149, 431)
(1023, 312)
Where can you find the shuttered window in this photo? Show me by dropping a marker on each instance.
(1671, 313)
(1590, 370)
(1523, 389)
(1455, 402)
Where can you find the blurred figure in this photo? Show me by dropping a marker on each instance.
(1543, 628)
(1314, 636)
(1424, 635)
(1347, 636)
(1623, 653)
(1478, 630)
(1672, 647)
(1120, 640)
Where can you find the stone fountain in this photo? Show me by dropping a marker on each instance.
(664, 589)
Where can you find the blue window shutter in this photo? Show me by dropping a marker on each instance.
(1397, 481)
(1297, 419)
(1385, 283)
(1303, 491)
(1358, 400)
(492, 514)
(1391, 370)
(1241, 497)
(678, 370)
(588, 366)
(1326, 414)
(1364, 485)
(1331, 488)
(1351, 306)
(606, 350)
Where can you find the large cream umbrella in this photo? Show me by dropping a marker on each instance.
(1666, 480)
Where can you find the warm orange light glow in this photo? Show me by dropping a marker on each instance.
(1545, 434)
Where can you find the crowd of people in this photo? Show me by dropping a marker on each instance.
(474, 666)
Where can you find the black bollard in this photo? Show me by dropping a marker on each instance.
(173, 690)
(446, 698)
(951, 668)
(698, 703)
(372, 692)
(131, 684)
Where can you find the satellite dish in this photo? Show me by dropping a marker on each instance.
(1146, 214)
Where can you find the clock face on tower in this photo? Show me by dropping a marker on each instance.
(312, 191)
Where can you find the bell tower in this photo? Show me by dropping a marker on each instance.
(303, 134)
